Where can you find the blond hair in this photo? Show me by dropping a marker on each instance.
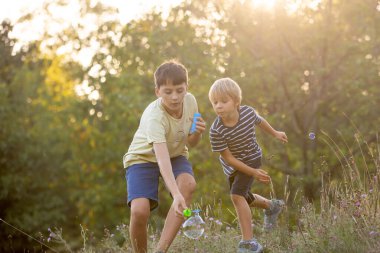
(224, 87)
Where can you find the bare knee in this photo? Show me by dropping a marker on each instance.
(140, 214)
(187, 187)
(191, 186)
(236, 199)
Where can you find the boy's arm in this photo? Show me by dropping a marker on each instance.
(163, 160)
(270, 130)
(258, 174)
(193, 139)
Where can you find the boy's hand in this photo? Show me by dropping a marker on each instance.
(261, 175)
(179, 205)
(281, 136)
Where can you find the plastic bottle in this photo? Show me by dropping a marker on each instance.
(194, 124)
(194, 226)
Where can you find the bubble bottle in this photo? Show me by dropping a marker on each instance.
(194, 124)
(194, 226)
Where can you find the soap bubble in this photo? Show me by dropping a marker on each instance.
(194, 227)
(311, 136)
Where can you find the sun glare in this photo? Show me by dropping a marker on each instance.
(267, 4)
(291, 6)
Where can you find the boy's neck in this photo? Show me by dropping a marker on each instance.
(231, 119)
(175, 114)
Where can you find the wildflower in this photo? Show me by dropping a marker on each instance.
(372, 233)
(357, 213)
(343, 204)
(363, 196)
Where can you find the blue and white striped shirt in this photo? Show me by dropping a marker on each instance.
(239, 139)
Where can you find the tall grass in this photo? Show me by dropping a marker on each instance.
(346, 220)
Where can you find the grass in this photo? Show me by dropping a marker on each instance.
(346, 219)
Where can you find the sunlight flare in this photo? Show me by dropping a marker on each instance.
(267, 4)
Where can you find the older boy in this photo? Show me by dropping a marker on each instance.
(159, 148)
(232, 134)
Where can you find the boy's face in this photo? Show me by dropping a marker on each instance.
(224, 106)
(172, 96)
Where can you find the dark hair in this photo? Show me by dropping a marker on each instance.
(170, 71)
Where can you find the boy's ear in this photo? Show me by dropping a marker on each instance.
(156, 90)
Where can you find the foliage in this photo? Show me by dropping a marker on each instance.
(64, 126)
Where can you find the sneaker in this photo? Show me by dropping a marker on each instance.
(271, 214)
(251, 246)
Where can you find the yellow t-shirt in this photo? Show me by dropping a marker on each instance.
(157, 126)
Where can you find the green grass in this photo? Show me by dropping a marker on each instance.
(346, 219)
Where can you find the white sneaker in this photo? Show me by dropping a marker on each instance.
(271, 214)
(251, 246)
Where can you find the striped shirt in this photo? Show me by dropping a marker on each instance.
(239, 139)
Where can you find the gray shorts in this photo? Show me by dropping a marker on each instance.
(240, 183)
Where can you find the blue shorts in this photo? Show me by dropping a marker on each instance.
(240, 183)
(142, 179)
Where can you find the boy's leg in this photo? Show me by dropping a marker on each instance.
(140, 211)
(142, 187)
(244, 215)
(183, 173)
(260, 201)
(186, 184)
(272, 208)
(240, 184)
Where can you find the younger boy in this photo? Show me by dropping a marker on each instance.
(159, 148)
(232, 134)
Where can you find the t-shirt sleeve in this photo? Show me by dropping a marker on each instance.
(217, 141)
(192, 103)
(155, 131)
(256, 117)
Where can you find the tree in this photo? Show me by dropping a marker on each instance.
(302, 68)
